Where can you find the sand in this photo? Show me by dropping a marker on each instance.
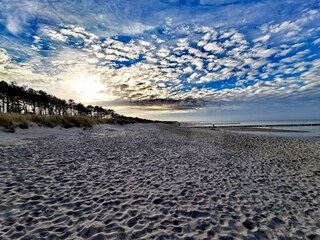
(154, 181)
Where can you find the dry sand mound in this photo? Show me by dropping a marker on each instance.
(159, 182)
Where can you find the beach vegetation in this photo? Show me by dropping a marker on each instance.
(20, 106)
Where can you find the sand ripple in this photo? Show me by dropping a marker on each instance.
(159, 182)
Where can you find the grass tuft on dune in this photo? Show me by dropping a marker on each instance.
(12, 120)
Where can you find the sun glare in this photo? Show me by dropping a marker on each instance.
(88, 87)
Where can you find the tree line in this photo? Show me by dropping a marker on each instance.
(24, 100)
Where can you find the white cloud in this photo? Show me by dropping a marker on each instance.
(136, 28)
(316, 42)
(264, 38)
(213, 47)
(285, 26)
(4, 57)
(14, 24)
(149, 68)
(54, 35)
(263, 53)
(290, 30)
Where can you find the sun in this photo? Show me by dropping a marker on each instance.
(89, 87)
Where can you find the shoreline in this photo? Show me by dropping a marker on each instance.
(256, 129)
(304, 132)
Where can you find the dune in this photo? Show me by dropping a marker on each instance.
(157, 181)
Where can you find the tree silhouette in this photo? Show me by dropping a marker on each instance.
(21, 99)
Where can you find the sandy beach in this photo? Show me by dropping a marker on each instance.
(157, 181)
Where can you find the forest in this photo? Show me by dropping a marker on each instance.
(21, 106)
(24, 100)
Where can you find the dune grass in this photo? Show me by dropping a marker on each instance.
(10, 121)
(13, 120)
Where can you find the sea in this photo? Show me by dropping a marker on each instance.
(307, 132)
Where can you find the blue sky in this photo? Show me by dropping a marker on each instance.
(169, 59)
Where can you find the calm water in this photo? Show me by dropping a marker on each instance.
(312, 132)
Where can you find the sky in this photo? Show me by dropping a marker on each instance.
(185, 60)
